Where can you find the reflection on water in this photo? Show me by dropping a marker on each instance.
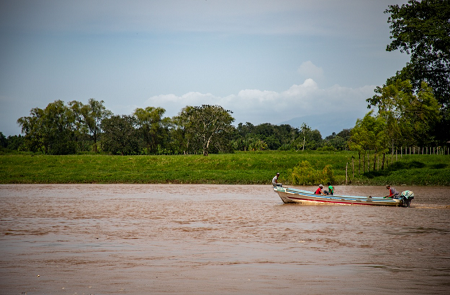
(171, 239)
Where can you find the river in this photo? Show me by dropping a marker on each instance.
(221, 239)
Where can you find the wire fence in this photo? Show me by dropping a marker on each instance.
(415, 150)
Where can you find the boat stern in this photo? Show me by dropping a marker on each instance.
(406, 197)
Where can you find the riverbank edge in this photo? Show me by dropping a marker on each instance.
(239, 168)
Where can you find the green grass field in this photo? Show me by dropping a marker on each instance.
(237, 168)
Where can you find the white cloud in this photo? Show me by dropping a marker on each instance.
(263, 106)
(309, 70)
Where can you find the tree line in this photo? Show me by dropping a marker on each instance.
(76, 127)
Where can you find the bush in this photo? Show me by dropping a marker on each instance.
(326, 148)
(305, 174)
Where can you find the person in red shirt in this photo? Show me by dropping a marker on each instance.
(393, 193)
(319, 190)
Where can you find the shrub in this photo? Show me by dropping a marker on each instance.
(305, 174)
(326, 148)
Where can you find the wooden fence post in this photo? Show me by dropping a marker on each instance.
(346, 175)
(353, 168)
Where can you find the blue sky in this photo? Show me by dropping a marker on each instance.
(267, 61)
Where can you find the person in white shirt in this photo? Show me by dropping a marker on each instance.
(275, 181)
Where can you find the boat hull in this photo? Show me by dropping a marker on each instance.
(290, 195)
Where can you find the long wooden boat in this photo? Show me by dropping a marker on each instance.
(292, 195)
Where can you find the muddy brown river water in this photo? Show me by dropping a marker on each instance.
(218, 239)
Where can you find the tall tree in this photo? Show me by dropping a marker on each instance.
(182, 135)
(152, 126)
(335, 141)
(81, 130)
(409, 117)
(31, 127)
(94, 113)
(422, 29)
(369, 134)
(119, 136)
(205, 124)
(307, 138)
(50, 129)
(357, 142)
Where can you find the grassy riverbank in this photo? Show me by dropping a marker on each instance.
(238, 168)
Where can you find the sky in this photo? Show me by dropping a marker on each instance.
(278, 62)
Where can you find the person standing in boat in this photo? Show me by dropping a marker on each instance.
(330, 189)
(393, 193)
(275, 181)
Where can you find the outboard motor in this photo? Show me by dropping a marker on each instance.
(406, 198)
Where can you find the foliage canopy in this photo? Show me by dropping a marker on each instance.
(422, 30)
